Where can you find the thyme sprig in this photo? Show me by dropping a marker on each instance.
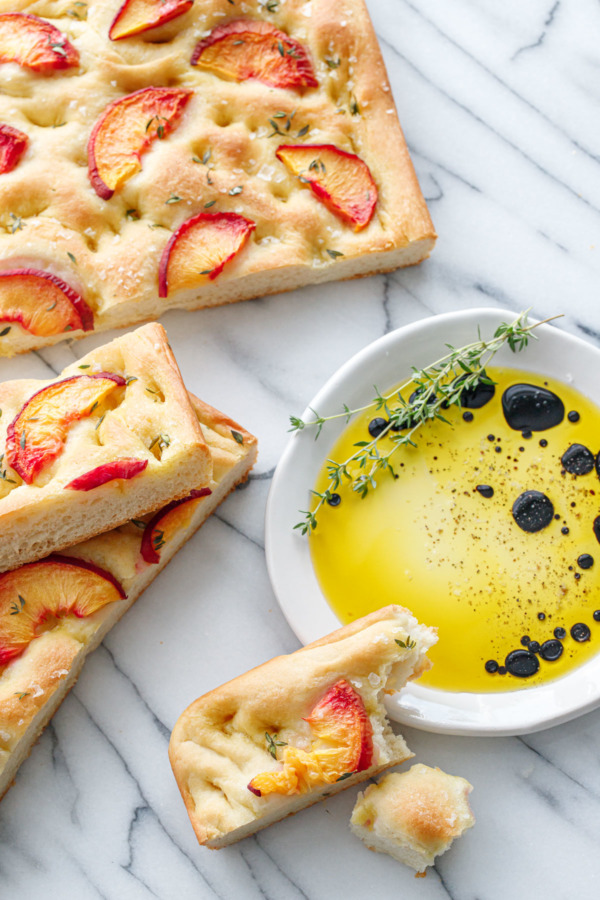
(435, 388)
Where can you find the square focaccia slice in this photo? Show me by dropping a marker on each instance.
(157, 155)
(73, 600)
(113, 437)
(296, 729)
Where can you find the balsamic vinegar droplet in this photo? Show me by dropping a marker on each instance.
(522, 663)
(530, 408)
(533, 511)
(578, 460)
(478, 396)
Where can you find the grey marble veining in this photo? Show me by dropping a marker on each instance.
(499, 103)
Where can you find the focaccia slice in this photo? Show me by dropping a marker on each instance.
(34, 683)
(296, 729)
(113, 437)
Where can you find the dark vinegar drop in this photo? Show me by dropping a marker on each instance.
(522, 663)
(533, 511)
(491, 666)
(578, 460)
(485, 490)
(580, 632)
(585, 561)
(377, 426)
(468, 416)
(334, 500)
(596, 527)
(551, 650)
(478, 396)
(573, 416)
(530, 408)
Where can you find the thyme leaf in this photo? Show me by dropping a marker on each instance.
(409, 645)
(273, 744)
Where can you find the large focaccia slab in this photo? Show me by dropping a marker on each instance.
(34, 683)
(115, 436)
(214, 151)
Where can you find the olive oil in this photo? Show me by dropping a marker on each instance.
(443, 538)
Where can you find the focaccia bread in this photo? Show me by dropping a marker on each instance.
(113, 437)
(414, 816)
(231, 152)
(296, 729)
(36, 672)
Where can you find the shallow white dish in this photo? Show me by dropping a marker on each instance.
(384, 363)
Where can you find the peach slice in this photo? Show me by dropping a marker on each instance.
(200, 248)
(50, 588)
(245, 49)
(37, 434)
(342, 181)
(13, 144)
(34, 43)
(343, 745)
(116, 468)
(126, 129)
(42, 303)
(167, 522)
(136, 16)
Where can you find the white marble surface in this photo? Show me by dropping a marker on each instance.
(499, 103)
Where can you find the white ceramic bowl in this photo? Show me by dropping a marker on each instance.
(384, 363)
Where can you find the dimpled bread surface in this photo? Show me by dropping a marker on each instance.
(220, 157)
(218, 744)
(33, 685)
(149, 417)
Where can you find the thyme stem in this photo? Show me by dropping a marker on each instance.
(436, 387)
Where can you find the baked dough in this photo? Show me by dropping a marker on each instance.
(33, 685)
(150, 418)
(219, 744)
(221, 157)
(414, 816)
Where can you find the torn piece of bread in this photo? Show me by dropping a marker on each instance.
(414, 816)
(296, 729)
(34, 682)
(113, 437)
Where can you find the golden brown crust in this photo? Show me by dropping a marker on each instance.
(218, 743)
(414, 815)
(39, 518)
(34, 684)
(51, 214)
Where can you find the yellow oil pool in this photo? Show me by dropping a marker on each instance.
(434, 540)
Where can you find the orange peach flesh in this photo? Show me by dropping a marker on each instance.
(166, 527)
(342, 181)
(34, 43)
(53, 587)
(137, 16)
(36, 436)
(249, 49)
(200, 248)
(42, 304)
(343, 744)
(126, 129)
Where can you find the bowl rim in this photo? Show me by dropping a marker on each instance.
(288, 558)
